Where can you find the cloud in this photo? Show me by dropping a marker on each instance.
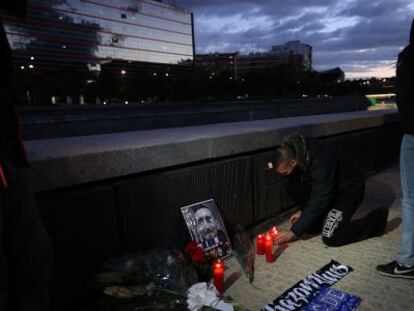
(359, 36)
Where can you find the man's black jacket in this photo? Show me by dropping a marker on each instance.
(332, 173)
(405, 85)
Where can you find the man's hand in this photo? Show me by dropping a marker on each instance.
(295, 217)
(284, 236)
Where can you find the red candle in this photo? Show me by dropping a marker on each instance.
(269, 249)
(218, 275)
(260, 244)
(273, 233)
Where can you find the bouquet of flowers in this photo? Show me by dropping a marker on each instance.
(159, 280)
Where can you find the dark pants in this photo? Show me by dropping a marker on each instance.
(338, 229)
(25, 251)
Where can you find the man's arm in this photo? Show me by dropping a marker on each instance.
(323, 180)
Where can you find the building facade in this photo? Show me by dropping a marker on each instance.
(218, 63)
(258, 62)
(332, 75)
(86, 37)
(294, 53)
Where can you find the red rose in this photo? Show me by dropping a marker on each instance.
(198, 256)
(191, 247)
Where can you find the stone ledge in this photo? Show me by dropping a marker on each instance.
(64, 162)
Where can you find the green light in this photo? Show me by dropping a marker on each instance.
(373, 101)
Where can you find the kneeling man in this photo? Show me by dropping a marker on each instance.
(335, 190)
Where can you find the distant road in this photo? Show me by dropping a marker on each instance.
(53, 122)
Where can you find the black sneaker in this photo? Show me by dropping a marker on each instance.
(395, 270)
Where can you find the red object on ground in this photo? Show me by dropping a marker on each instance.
(260, 244)
(273, 233)
(269, 249)
(198, 256)
(191, 247)
(218, 275)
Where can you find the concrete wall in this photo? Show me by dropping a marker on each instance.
(106, 194)
(41, 123)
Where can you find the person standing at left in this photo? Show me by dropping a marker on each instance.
(403, 265)
(25, 250)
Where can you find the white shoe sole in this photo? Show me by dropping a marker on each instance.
(397, 276)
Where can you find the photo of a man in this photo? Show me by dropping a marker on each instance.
(207, 228)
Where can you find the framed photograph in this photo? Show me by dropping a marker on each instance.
(207, 229)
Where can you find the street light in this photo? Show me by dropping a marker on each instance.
(123, 72)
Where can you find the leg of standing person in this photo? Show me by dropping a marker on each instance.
(403, 266)
(406, 254)
(338, 228)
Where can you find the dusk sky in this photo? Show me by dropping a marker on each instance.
(362, 37)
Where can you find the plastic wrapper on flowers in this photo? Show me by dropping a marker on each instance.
(156, 280)
(167, 270)
(141, 281)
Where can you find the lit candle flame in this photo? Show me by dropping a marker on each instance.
(219, 264)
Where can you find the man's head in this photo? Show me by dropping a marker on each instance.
(292, 154)
(286, 161)
(206, 223)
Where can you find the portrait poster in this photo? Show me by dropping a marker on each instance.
(207, 229)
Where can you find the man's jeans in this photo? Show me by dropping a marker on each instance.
(406, 254)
